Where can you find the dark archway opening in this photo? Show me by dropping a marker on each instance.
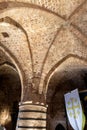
(62, 82)
(10, 94)
(59, 127)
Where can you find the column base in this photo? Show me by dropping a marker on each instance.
(31, 117)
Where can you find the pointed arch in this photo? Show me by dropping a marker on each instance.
(15, 63)
(54, 68)
(11, 21)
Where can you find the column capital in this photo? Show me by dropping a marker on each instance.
(33, 104)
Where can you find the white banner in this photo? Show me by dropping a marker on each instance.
(74, 109)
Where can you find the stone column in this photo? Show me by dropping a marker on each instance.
(31, 117)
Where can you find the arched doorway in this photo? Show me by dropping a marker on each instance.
(59, 127)
(10, 94)
(66, 78)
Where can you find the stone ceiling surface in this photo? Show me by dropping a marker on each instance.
(62, 7)
(13, 43)
(55, 31)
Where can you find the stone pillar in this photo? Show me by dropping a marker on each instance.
(31, 117)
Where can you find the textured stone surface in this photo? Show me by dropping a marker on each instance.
(49, 37)
(40, 36)
(62, 7)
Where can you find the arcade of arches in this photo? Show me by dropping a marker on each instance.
(43, 55)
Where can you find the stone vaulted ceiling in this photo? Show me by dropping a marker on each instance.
(42, 34)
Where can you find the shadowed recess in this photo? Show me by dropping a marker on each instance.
(10, 94)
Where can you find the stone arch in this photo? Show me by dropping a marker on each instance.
(10, 87)
(47, 6)
(15, 6)
(15, 63)
(54, 68)
(31, 5)
(70, 74)
(9, 20)
(12, 22)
